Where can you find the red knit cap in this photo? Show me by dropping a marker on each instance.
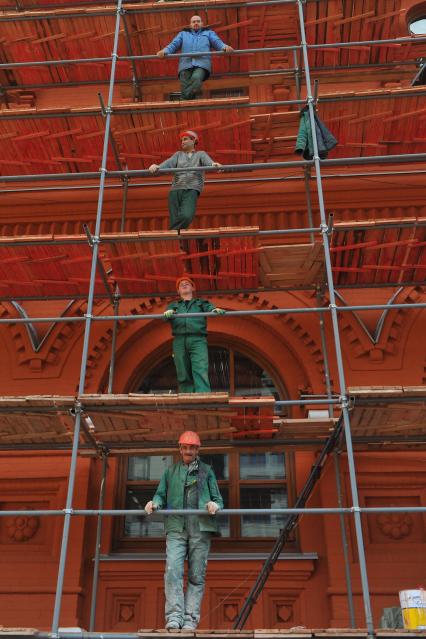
(189, 134)
(184, 278)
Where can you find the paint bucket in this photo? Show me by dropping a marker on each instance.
(413, 604)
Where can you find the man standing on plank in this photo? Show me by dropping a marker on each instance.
(194, 71)
(188, 484)
(186, 185)
(190, 350)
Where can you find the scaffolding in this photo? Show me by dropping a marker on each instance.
(98, 264)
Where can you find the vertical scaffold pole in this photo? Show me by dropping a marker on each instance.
(336, 333)
(86, 338)
(98, 545)
(344, 540)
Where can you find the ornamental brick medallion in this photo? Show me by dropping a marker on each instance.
(21, 528)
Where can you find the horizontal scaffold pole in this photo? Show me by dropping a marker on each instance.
(138, 109)
(153, 316)
(348, 161)
(237, 180)
(259, 512)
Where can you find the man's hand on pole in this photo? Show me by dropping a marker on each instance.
(153, 168)
(212, 507)
(150, 507)
(167, 314)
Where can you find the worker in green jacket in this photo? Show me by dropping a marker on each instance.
(189, 484)
(190, 350)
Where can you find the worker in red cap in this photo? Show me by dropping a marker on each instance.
(186, 185)
(189, 484)
(190, 350)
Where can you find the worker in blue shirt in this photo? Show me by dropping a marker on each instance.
(194, 71)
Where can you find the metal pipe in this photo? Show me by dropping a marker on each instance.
(98, 545)
(172, 237)
(83, 13)
(345, 545)
(87, 327)
(333, 308)
(246, 74)
(320, 300)
(360, 43)
(137, 94)
(213, 181)
(349, 161)
(152, 316)
(144, 57)
(208, 107)
(67, 522)
(94, 512)
(124, 203)
(113, 346)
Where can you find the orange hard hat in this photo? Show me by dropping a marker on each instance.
(189, 134)
(185, 278)
(189, 437)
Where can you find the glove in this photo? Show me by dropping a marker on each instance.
(167, 314)
(212, 507)
(219, 311)
(150, 507)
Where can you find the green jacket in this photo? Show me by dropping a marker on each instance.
(170, 495)
(304, 144)
(190, 325)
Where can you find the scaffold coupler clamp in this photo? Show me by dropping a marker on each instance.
(344, 402)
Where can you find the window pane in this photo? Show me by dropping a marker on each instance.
(148, 467)
(262, 466)
(251, 379)
(143, 526)
(223, 521)
(219, 369)
(219, 463)
(265, 497)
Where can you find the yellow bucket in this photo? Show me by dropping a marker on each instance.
(413, 604)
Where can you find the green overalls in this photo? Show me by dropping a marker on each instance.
(190, 351)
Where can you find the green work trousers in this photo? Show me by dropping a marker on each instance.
(182, 207)
(191, 357)
(191, 81)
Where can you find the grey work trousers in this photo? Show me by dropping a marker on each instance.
(194, 544)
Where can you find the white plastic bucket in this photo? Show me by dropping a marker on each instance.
(413, 604)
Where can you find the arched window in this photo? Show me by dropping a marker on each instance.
(418, 25)
(248, 476)
(229, 371)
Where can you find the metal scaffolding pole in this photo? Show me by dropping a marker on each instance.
(336, 333)
(113, 344)
(344, 536)
(98, 544)
(276, 311)
(47, 13)
(237, 180)
(87, 327)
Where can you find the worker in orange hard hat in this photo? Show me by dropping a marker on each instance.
(190, 350)
(188, 484)
(186, 185)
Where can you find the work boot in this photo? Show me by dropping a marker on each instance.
(172, 625)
